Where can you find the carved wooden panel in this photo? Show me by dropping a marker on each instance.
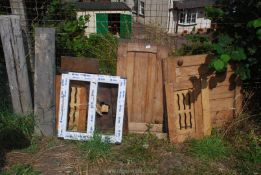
(185, 114)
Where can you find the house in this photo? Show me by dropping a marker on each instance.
(148, 12)
(186, 16)
(113, 17)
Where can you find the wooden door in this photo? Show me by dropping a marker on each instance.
(141, 64)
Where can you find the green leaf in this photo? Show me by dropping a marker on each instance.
(243, 72)
(218, 65)
(218, 48)
(225, 40)
(225, 58)
(257, 23)
(238, 55)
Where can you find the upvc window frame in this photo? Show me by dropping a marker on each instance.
(94, 80)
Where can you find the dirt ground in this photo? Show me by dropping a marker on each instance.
(52, 156)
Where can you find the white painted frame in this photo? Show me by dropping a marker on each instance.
(94, 80)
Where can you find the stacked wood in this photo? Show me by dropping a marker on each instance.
(12, 41)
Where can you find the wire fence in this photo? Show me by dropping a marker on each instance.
(82, 25)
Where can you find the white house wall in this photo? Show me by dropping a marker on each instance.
(91, 25)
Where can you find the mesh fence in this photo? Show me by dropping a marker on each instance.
(94, 28)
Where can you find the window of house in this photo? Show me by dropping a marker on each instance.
(142, 8)
(187, 17)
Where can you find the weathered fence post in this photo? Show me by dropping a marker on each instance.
(12, 41)
(44, 86)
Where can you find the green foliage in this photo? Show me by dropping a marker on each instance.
(197, 44)
(95, 148)
(136, 148)
(15, 130)
(104, 48)
(209, 148)
(21, 170)
(71, 36)
(239, 33)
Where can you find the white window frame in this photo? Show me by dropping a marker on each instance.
(94, 80)
(186, 18)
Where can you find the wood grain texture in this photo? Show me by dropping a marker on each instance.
(13, 46)
(207, 127)
(57, 98)
(44, 89)
(143, 69)
(79, 64)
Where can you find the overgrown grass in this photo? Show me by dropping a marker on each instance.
(21, 170)
(95, 148)
(15, 130)
(209, 148)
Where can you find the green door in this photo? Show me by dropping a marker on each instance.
(125, 26)
(102, 23)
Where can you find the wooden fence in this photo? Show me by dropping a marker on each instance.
(195, 98)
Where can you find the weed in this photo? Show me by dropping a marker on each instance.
(95, 148)
(209, 148)
(15, 130)
(21, 170)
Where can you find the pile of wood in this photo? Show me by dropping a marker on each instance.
(177, 93)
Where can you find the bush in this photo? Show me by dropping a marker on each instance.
(196, 44)
(209, 148)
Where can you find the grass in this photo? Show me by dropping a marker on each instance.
(209, 148)
(95, 148)
(15, 130)
(21, 170)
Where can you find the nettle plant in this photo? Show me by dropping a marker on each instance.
(239, 35)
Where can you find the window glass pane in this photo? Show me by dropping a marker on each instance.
(188, 17)
(182, 17)
(142, 5)
(193, 17)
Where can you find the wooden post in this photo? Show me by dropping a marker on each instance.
(44, 89)
(206, 108)
(13, 46)
(18, 8)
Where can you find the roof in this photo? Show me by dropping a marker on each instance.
(187, 4)
(108, 6)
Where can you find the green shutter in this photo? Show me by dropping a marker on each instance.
(125, 26)
(102, 23)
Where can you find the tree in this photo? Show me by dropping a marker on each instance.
(238, 36)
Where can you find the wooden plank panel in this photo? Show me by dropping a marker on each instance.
(57, 98)
(79, 64)
(169, 70)
(158, 94)
(130, 81)
(219, 117)
(222, 104)
(133, 126)
(142, 47)
(206, 107)
(44, 90)
(139, 87)
(122, 60)
(221, 92)
(193, 60)
(198, 112)
(13, 47)
(202, 69)
(150, 89)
